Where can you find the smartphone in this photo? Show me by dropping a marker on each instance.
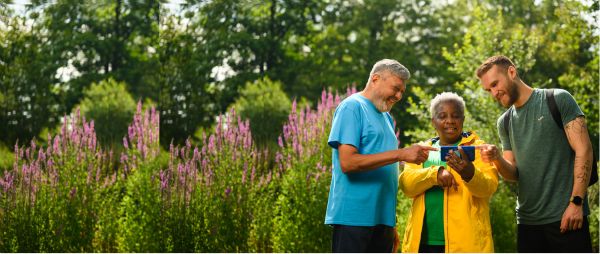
(469, 151)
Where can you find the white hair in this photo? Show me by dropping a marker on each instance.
(446, 97)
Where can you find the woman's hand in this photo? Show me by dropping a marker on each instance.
(463, 166)
(446, 179)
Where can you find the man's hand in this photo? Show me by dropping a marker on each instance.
(572, 218)
(415, 154)
(489, 153)
(446, 179)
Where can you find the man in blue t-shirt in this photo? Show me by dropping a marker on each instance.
(550, 164)
(364, 184)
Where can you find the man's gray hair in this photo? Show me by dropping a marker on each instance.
(392, 66)
(446, 97)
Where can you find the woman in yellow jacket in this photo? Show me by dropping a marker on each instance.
(450, 209)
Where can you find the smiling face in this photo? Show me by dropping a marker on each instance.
(389, 90)
(448, 122)
(500, 83)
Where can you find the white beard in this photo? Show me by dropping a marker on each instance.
(381, 103)
(382, 106)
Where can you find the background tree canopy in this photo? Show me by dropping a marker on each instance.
(194, 58)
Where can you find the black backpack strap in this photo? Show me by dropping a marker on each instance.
(553, 108)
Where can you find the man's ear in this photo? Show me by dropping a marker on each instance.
(375, 77)
(512, 72)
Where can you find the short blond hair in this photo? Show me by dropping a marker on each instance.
(499, 60)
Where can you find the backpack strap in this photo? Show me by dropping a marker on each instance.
(553, 107)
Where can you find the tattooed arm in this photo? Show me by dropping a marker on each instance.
(577, 134)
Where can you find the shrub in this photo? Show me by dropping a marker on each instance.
(304, 162)
(111, 107)
(51, 198)
(503, 218)
(267, 106)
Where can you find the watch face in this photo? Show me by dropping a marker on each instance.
(576, 200)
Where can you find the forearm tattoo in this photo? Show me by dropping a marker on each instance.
(576, 128)
(582, 175)
(576, 131)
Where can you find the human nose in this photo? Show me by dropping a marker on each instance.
(398, 96)
(495, 93)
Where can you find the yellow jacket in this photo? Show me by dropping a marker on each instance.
(466, 211)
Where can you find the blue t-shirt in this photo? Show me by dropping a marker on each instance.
(363, 198)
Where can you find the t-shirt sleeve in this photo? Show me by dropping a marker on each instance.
(569, 110)
(503, 133)
(345, 128)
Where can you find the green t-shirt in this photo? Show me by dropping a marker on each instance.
(433, 224)
(543, 155)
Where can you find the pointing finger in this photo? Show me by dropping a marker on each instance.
(429, 148)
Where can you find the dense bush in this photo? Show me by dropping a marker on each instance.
(266, 105)
(305, 163)
(52, 198)
(111, 107)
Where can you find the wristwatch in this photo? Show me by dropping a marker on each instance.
(577, 200)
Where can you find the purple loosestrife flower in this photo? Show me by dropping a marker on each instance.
(91, 142)
(244, 172)
(89, 173)
(8, 181)
(164, 180)
(130, 133)
(211, 144)
(286, 133)
(41, 155)
(98, 174)
(56, 146)
(124, 160)
(125, 144)
(73, 192)
(196, 156)
(181, 153)
(227, 191)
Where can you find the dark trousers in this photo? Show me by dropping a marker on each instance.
(378, 238)
(547, 238)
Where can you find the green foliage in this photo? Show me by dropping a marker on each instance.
(300, 211)
(485, 37)
(26, 77)
(141, 228)
(111, 107)
(503, 218)
(266, 106)
(263, 218)
(594, 216)
(51, 197)
(6, 158)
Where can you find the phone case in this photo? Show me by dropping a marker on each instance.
(469, 151)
